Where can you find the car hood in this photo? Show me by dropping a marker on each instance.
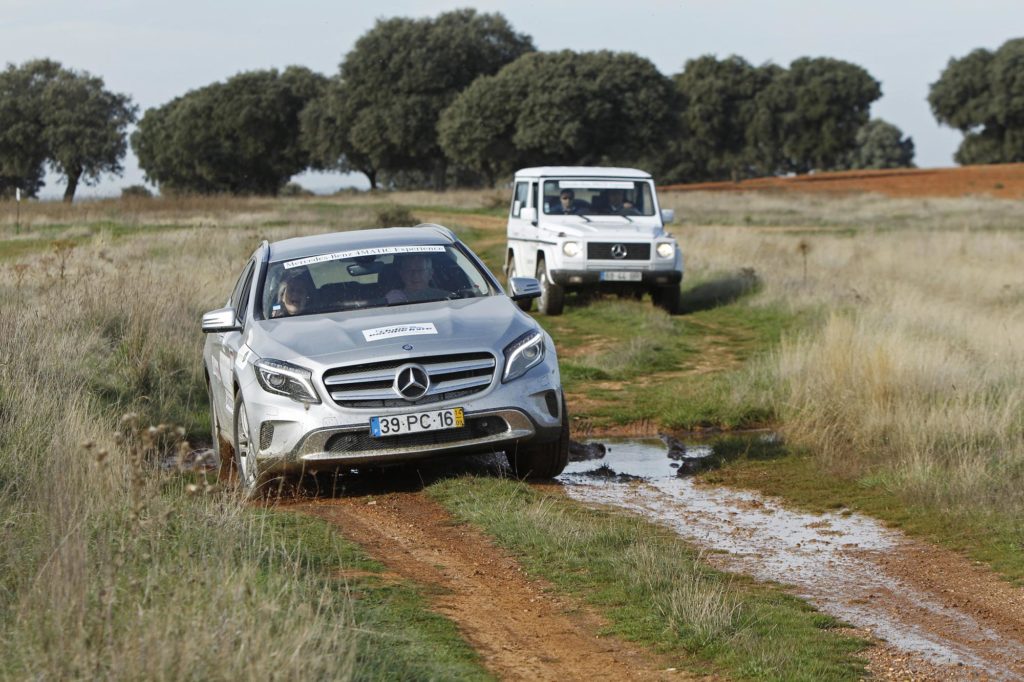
(320, 341)
(606, 227)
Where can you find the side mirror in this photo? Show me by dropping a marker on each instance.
(668, 215)
(523, 288)
(220, 320)
(528, 213)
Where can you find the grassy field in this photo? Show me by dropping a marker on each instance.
(880, 337)
(909, 383)
(117, 567)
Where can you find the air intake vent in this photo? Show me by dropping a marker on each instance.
(266, 435)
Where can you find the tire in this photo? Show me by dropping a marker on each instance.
(245, 459)
(510, 272)
(544, 461)
(552, 296)
(222, 449)
(668, 299)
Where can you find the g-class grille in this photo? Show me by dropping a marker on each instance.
(372, 384)
(608, 251)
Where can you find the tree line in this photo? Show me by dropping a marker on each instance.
(463, 99)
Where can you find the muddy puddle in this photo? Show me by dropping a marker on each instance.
(836, 561)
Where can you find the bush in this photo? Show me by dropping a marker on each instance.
(395, 216)
(136, 192)
(294, 189)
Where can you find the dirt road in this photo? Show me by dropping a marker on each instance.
(933, 614)
(521, 629)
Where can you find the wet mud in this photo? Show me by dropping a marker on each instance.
(946, 623)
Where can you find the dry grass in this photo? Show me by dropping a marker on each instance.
(112, 568)
(915, 376)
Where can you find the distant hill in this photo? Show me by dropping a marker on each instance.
(1005, 181)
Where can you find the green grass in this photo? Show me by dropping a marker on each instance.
(400, 638)
(634, 363)
(654, 589)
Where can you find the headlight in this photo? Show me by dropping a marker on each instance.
(571, 249)
(525, 352)
(666, 250)
(284, 378)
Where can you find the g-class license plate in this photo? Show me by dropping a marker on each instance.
(621, 276)
(434, 420)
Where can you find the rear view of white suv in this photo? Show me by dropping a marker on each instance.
(580, 228)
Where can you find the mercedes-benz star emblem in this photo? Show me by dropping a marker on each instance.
(619, 251)
(411, 382)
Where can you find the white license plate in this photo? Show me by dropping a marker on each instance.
(434, 420)
(621, 276)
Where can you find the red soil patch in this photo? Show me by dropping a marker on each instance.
(1005, 181)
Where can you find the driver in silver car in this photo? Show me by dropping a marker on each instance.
(415, 271)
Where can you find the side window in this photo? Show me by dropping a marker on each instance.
(519, 198)
(535, 193)
(240, 298)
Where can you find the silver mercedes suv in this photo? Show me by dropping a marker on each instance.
(359, 348)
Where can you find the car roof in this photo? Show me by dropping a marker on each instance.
(584, 172)
(314, 245)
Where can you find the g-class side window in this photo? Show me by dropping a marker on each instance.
(519, 198)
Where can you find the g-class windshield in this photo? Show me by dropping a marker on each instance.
(370, 278)
(598, 197)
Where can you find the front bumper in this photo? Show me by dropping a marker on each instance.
(592, 277)
(290, 437)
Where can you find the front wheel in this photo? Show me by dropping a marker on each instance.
(543, 461)
(222, 449)
(245, 454)
(668, 299)
(552, 296)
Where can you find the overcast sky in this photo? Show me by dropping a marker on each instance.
(154, 51)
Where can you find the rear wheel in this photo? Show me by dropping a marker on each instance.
(245, 453)
(510, 272)
(552, 296)
(546, 460)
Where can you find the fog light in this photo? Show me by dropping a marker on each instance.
(575, 279)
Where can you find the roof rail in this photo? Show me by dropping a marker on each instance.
(440, 229)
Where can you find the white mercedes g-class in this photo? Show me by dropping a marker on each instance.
(589, 228)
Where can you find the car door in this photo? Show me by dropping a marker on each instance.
(519, 229)
(226, 346)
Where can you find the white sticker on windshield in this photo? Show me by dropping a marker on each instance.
(594, 184)
(414, 329)
(377, 251)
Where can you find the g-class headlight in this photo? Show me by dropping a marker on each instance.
(571, 249)
(666, 249)
(525, 352)
(284, 378)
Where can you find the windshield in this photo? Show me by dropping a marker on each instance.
(370, 278)
(598, 197)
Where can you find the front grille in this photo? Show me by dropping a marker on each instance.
(603, 251)
(362, 441)
(370, 385)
